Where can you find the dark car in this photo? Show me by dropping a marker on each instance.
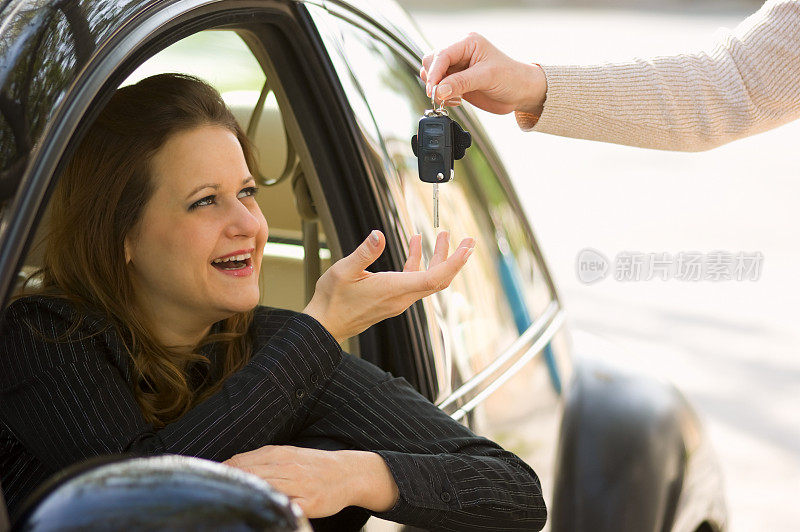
(329, 93)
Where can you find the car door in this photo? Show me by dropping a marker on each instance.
(500, 356)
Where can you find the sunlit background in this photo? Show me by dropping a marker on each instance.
(731, 346)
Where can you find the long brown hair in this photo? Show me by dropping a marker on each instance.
(99, 199)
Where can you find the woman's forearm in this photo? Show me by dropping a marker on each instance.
(447, 477)
(258, 401)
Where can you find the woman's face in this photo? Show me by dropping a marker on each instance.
(203, 208)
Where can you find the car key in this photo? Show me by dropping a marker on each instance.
(439, 142)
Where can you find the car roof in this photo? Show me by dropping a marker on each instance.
(387, 15)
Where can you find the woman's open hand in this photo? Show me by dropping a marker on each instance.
(322, 482)
(348, 299)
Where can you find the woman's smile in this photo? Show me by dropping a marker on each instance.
(236, 264)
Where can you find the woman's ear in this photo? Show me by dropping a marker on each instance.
(127, 246)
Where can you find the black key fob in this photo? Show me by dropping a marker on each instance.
(439, 141)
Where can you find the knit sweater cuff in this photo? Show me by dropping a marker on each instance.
(567, 87)
(589, 102)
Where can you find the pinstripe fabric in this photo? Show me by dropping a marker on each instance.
(747, 83)
(61, 403)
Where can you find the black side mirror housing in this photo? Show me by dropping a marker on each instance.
(169, 492)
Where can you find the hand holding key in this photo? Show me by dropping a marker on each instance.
(473, 68)
(348, 299)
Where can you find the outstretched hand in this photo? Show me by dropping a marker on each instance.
(473, 68)
(348, 299)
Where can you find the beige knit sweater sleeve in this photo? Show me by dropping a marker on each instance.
(748, 82)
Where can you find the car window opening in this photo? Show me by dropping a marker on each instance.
(297, 252)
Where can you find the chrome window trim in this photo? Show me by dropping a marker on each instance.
(524, 348)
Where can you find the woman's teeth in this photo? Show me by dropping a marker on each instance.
(242, 257)
(236, 262)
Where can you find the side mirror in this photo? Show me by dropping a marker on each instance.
(176, 493)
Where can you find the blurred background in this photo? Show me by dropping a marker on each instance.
(731, 346)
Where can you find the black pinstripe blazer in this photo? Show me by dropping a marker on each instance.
(62, 403)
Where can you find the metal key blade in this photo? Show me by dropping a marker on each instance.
(436, 205)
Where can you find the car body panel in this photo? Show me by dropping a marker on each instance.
(634, 449)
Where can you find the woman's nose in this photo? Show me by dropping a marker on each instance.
(242, 221)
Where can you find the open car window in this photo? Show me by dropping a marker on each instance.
(223, 59)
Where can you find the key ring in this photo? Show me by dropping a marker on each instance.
(441, 109)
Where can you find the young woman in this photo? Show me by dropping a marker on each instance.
(146, 336)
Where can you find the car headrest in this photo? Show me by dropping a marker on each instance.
(269, 136)
(271, 145)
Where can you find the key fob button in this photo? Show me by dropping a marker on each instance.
(438, 143)
(433, 129)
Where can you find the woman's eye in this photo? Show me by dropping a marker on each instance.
(208, 200)
(249, 191)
